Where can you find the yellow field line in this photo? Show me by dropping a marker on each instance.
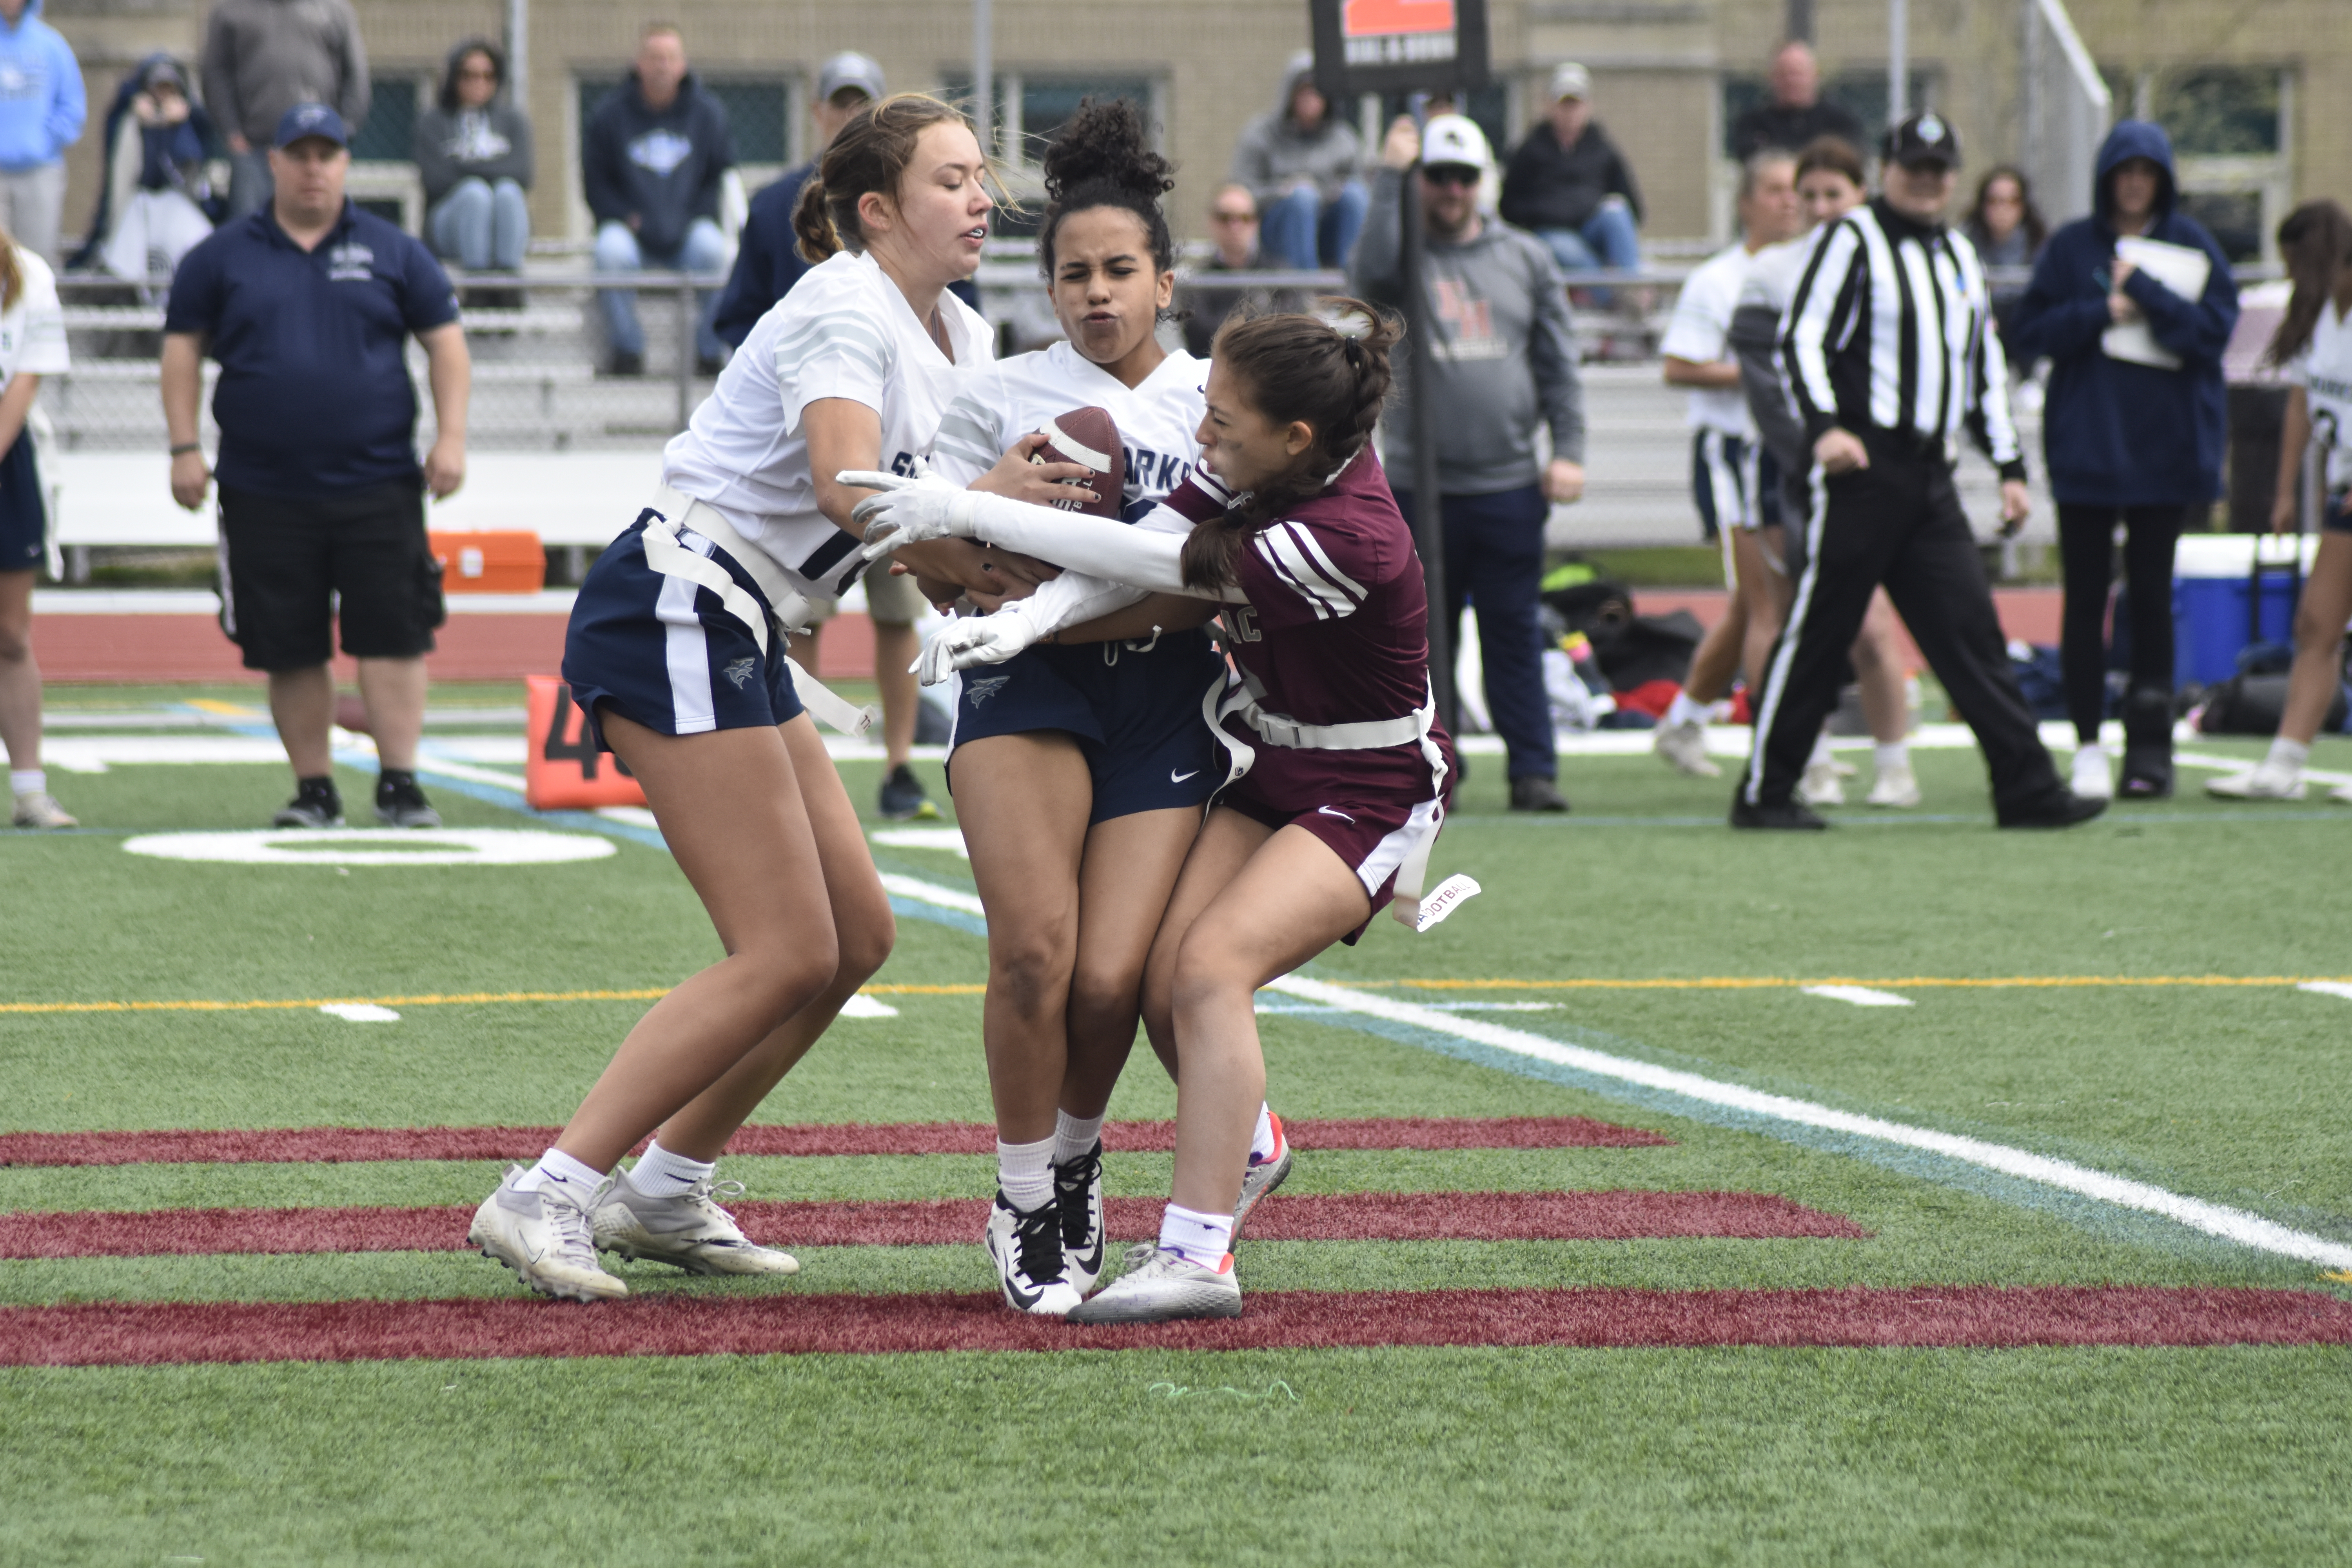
(476, 998)
(1916, 982)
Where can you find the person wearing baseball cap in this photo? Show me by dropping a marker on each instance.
(1570, 186)
(308, 306)
(1891, 356)
(1505, 364)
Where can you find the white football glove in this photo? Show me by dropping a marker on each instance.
(910, 509)
(974, 639)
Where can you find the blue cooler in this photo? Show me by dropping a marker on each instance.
(2214, 586)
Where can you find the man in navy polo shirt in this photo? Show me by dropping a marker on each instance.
(307, 305)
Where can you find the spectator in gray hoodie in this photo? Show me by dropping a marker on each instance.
(474, 155)
(1505, 363)
(261, 58)
(1304, 166)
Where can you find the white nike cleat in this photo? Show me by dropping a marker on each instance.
(1160, 1285)
(545, 1238)
(1027, 1252)
(1820, 786)
(1265, 1173)
(690, 1230)
(1684, 748)
(39, 808)
(2090, 777)
(1077, 1192)
(1897, 786)
(2265, 782)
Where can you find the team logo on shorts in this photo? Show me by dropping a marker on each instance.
(740, 672)
(981, 690)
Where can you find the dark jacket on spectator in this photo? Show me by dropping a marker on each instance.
(2118, 432)
(1551, 186)
(492, 143)
(170, 157)
(1777, 125)
(664, 168)
(263, 56)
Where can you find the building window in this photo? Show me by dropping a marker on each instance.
(2229, 126)
(1025, 113)
(1860, 94)
(388, 135)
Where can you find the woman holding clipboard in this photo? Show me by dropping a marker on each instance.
(2133, 305)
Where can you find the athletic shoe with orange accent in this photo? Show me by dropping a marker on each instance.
(1160, 1285)
(1265, 1173)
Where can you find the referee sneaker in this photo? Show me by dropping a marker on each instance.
(307, 305)
(1889, 356)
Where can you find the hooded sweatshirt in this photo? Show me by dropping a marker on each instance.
(492, 143)
(41, 103)
(663, 165)
(1505, 345)
(1274, 153)
(2115, 432)
(263, 56)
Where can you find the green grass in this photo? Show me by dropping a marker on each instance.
(1477, 1455)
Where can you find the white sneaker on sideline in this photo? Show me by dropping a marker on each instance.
(1820, 786)
(1027, 1252)
(2265, 782)
(690, 1230)
(1159, 1286)
(2090, 777)
(545, 1238)
(1897, 786)
(1684, 748)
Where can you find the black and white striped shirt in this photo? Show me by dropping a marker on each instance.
(1890, 330)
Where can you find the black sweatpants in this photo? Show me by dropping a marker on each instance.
(1897, 522)
(2086, 547)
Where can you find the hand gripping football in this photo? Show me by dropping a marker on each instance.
(1088, 436)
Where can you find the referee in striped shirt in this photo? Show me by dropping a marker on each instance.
(1889, 357)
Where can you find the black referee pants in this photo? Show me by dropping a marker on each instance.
(1897, 522)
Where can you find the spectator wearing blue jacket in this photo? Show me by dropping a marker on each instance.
(41, 114)
(2128, 441)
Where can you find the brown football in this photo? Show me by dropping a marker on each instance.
(1090, 437)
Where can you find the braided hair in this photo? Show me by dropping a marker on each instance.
(1302, 369)
(1102, 157)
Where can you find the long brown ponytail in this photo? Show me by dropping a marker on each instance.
(1297, 368)
(871, 154)
(2315, 243)
(11, 271)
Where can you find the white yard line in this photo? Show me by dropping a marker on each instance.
(2328, 988)
(1860, 996)
(2213, 1219)
(924, 892)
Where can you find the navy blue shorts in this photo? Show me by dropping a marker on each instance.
(665, 653)
(1135, 715)
(23, 514)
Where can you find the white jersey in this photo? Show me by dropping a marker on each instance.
(1700, 332)
(1014, 397)
(2324, 371)
(32, 328)
(845, 331)
(1774, 272)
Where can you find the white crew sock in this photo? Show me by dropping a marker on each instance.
(2287, 754)
(1075, 1137)
(1888, 754)
(2092, 749)
(575, 1179)
(1683, 711)
(1261, 1136)
(662, 1174)
(28, 781)
(1821, 751)
(1202, 1238)
(1025, 1171)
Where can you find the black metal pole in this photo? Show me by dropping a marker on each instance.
(1428, 526)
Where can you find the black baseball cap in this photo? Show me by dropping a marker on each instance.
(1923, 138)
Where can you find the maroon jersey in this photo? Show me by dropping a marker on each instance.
(1335, 631)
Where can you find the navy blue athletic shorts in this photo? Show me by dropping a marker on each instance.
(665, 653)
(23, 514)
(1135, 715)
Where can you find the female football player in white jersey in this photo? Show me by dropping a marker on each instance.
(676, 653)
(1335, 772)
(1079, 770)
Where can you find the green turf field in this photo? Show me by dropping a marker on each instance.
(1613, 929)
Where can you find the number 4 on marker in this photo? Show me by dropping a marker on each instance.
(578, 749)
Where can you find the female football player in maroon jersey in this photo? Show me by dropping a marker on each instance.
(1335, 770)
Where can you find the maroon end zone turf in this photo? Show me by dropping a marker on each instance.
(1992, 1317)
(329, 1145)
(1349, 1216)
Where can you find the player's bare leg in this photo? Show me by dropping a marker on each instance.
(1878, 669)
